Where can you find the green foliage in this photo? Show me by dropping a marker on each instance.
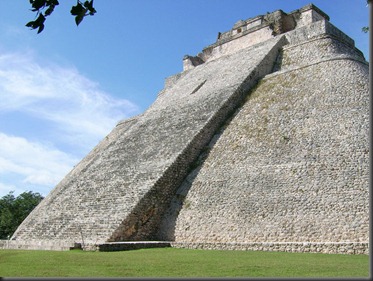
(38, 6)
(79, 11)
(365, 29)
(171, 262)
(82, 10)
(38, 23)
(13, 210)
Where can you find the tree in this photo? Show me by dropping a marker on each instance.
(44, 8)
(13, 210)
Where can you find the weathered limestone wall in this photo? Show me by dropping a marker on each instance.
(38, 245)
(121, 189)
(232, 46)
(290, 170)
(351, 248)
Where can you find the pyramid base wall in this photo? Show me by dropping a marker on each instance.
(350, 248)
(354, 248)
(38, 245)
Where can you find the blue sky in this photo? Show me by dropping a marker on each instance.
(63, 90)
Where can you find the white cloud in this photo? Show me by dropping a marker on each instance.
(75, 104)
(5, 189)
(31, 163)
(73, 112)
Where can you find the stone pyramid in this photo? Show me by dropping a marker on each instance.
(260, 143)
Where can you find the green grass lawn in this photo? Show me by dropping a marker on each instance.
(171, 262)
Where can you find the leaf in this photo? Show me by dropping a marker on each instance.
(41, 19)
(31, 24)
(38, 23)
(41, 27)
(52, 4)
(79, 18)
(77, 10)
(92, 12)
(49, 11)
(89, 6)
(365, 29)
(38, 4)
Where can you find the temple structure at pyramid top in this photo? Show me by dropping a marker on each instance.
(252, 31)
